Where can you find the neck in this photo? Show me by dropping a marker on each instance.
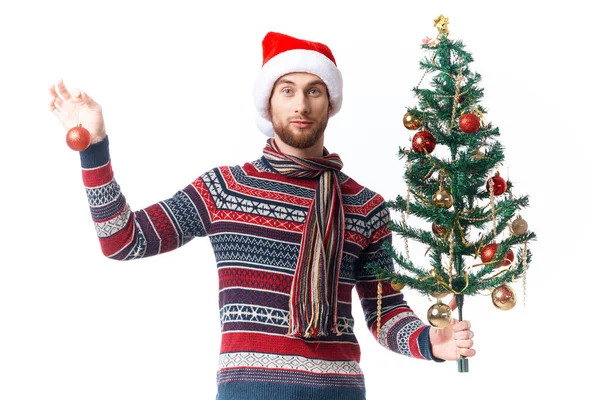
(313, 151)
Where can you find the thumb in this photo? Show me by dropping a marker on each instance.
(76, 95)
(88, 101)
(452, 303)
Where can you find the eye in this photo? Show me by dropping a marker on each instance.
(314, 91)
(286, 91)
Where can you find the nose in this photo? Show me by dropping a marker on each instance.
(302, 104)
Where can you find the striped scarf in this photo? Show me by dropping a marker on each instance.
(314, 294)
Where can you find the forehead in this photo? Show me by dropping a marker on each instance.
(300, 79)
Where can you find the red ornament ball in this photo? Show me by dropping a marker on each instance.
(509, 257)
(468, 123)
(498, 183)
(438, 230)
(461, 99)
(423, 140)
(488, 253)
(78, 138)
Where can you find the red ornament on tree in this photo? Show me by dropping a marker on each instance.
(498, 183)
(488, 253)
(468, 123)
(423, 140)
(78, 138)
(509, 257)
(438, 230)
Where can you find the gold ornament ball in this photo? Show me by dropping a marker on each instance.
(397, 286)
(504, 297)
(411, 122)
(443, 199)
(518, 226)
(439, 315)
(477, 155)
(440, 294)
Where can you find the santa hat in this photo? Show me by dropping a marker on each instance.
(283, 54)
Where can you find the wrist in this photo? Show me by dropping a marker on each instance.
(434, 349)
(98, 137)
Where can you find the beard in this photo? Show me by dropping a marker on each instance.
(305, 138)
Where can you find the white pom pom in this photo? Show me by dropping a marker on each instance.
(264, 126)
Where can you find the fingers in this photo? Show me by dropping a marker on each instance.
(54, 96)
(55, 102)
(461, 326)
(87, 100)
(61, 98)
(463, 335)
(463, 338)
(62, 90)
(65, 96)
(464, 344)
(466, 352)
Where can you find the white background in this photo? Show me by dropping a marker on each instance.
(175, 81)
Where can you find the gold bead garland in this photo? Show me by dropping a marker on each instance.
(524, 272)
(405, 216)
(379, 299)
(456, 95)
(491, 192)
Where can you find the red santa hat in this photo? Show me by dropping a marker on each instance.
(283, 54)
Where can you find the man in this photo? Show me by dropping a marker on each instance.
(291, 234)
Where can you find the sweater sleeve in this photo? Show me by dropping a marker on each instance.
(125, 234)
(401, 330)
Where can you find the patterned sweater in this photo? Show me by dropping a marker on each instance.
(254, 218)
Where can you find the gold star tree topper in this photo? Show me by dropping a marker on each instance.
(441, 23)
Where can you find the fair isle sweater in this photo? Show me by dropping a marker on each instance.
(254, 218)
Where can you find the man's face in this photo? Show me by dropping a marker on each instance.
(299, 109)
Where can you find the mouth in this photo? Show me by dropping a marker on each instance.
(301, 123)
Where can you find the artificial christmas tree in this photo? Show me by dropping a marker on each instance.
(461, 193)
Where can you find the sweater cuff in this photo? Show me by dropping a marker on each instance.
(96, 155)
(425, 345)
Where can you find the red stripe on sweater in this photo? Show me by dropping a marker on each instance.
(260, 221)
(285, 345)
(98, 176)
(366, 208)
(413, 343)
(356, 238)
(113, 244)
(380, 233)
(217, 215)
(260, 194)
(254, 279)
(268, 280)
(350, 187)
(206, 197)
(163, 226)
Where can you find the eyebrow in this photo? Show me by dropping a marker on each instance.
(312, 83)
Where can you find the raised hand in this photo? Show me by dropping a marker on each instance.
(454, 340)
(76, 108)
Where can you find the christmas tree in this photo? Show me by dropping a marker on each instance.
(461, 193)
